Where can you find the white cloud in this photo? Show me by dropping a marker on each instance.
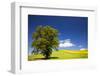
(83, 49)
(66, 43)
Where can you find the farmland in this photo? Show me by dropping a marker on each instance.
(61, 54)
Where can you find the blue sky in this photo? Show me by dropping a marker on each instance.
(73, 31)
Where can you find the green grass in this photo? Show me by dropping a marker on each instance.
(62, 54)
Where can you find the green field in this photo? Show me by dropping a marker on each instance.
(62, 54)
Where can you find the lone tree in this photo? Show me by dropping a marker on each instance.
(45, 40)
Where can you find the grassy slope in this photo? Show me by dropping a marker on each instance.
(62, 54)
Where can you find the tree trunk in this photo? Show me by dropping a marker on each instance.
(47, 56)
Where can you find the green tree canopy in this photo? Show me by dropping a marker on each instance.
(45, 40)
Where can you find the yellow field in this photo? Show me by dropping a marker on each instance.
(62, 54)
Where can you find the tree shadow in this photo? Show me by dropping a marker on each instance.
(46, 58)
